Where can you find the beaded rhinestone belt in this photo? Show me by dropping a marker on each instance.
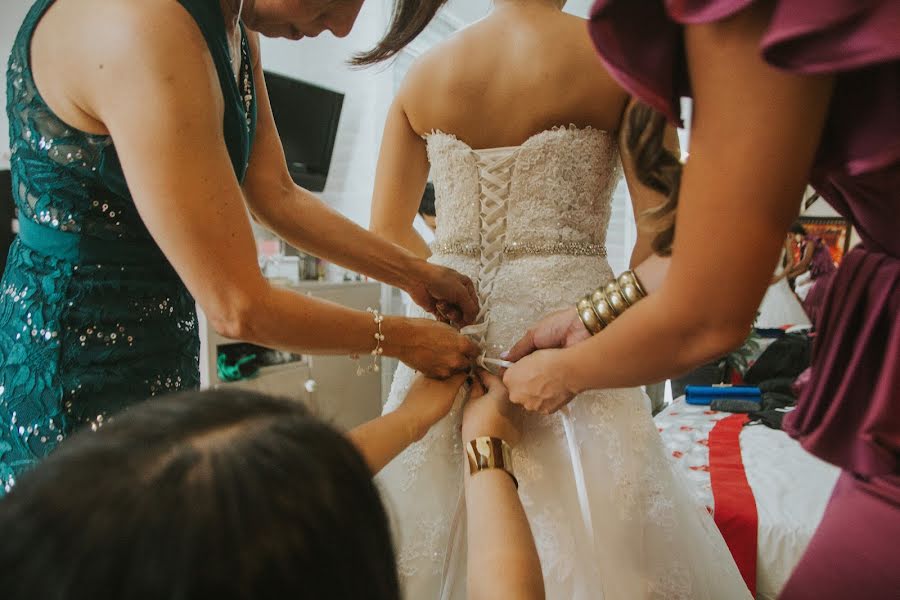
(523, 249)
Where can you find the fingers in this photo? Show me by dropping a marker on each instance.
(447, 312)
(490, 381)
(522, 348)
(456, 381)
(477, 390)
(473, 295)
(466, 300)
(467, 352)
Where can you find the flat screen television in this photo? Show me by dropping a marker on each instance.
(307, 119)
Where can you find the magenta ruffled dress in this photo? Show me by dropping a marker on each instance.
(849, 414)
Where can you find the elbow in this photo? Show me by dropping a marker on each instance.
(390, 234)
(237, 317)
(379, 228)
(707, 338)
(718, 342)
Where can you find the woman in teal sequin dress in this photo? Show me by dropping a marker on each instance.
(137, 151)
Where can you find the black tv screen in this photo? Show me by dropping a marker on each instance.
(307, 119)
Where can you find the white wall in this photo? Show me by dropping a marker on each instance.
(11, 14)
(323, 61)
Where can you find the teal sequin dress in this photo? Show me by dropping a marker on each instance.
(92, 316)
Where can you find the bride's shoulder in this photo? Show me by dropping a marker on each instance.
(443, 76)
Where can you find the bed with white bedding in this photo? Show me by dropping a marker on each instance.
(790, 486)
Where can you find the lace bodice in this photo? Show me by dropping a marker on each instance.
(557, 187)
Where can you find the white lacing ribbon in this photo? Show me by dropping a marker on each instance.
(495, 175)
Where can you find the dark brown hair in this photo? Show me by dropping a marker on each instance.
(657, 168)
(409, 19)
(225, 494)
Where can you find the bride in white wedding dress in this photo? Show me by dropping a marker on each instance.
(523, 204)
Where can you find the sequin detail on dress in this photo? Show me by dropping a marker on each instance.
(92, 316)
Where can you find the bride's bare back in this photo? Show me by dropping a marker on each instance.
(525, 68)
(527, 63)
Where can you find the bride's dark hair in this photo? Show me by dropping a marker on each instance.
(657, 168)
(408, 20)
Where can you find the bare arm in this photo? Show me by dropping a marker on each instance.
(170, 110)
(750, 118)
(502, 558)
(400, 182)
(427, 402)
(306, 222)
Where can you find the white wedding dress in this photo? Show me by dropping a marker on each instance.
(610, 517)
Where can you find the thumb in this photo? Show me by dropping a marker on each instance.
(490, 381)
(522, 348)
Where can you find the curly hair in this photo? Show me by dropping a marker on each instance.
(657, 168)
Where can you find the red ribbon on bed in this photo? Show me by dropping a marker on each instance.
(735, 506)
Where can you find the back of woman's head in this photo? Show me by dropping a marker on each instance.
(225, 495)
(797, 228)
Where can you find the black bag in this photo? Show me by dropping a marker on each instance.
(773, 400)
(782, 385)
(734, 405)
(770, 418)
(785, 357)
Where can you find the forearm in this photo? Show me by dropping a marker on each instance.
(305, 222)
(382, 439)
(407, 238)
(502, 558)
(282, 318)
(651, 341)
(642, 250)
(651, 272)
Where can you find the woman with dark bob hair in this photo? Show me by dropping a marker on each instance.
(239, 495)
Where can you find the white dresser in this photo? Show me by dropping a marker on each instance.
(328, 385)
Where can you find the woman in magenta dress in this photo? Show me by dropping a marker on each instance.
(785, 92)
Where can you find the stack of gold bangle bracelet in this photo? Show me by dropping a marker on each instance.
(600, 308)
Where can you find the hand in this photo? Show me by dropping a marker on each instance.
(539, 383)
(429, 400)
(436, 349)
(443, 292)
(489, 412)
(557, 330)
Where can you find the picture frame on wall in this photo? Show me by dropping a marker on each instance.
(834, 233)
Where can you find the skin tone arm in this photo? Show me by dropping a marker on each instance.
(502, 558)
(426, 403)
(400, 181)
(304, 221)
(197, 215)
(708, 300)
(499, 536)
